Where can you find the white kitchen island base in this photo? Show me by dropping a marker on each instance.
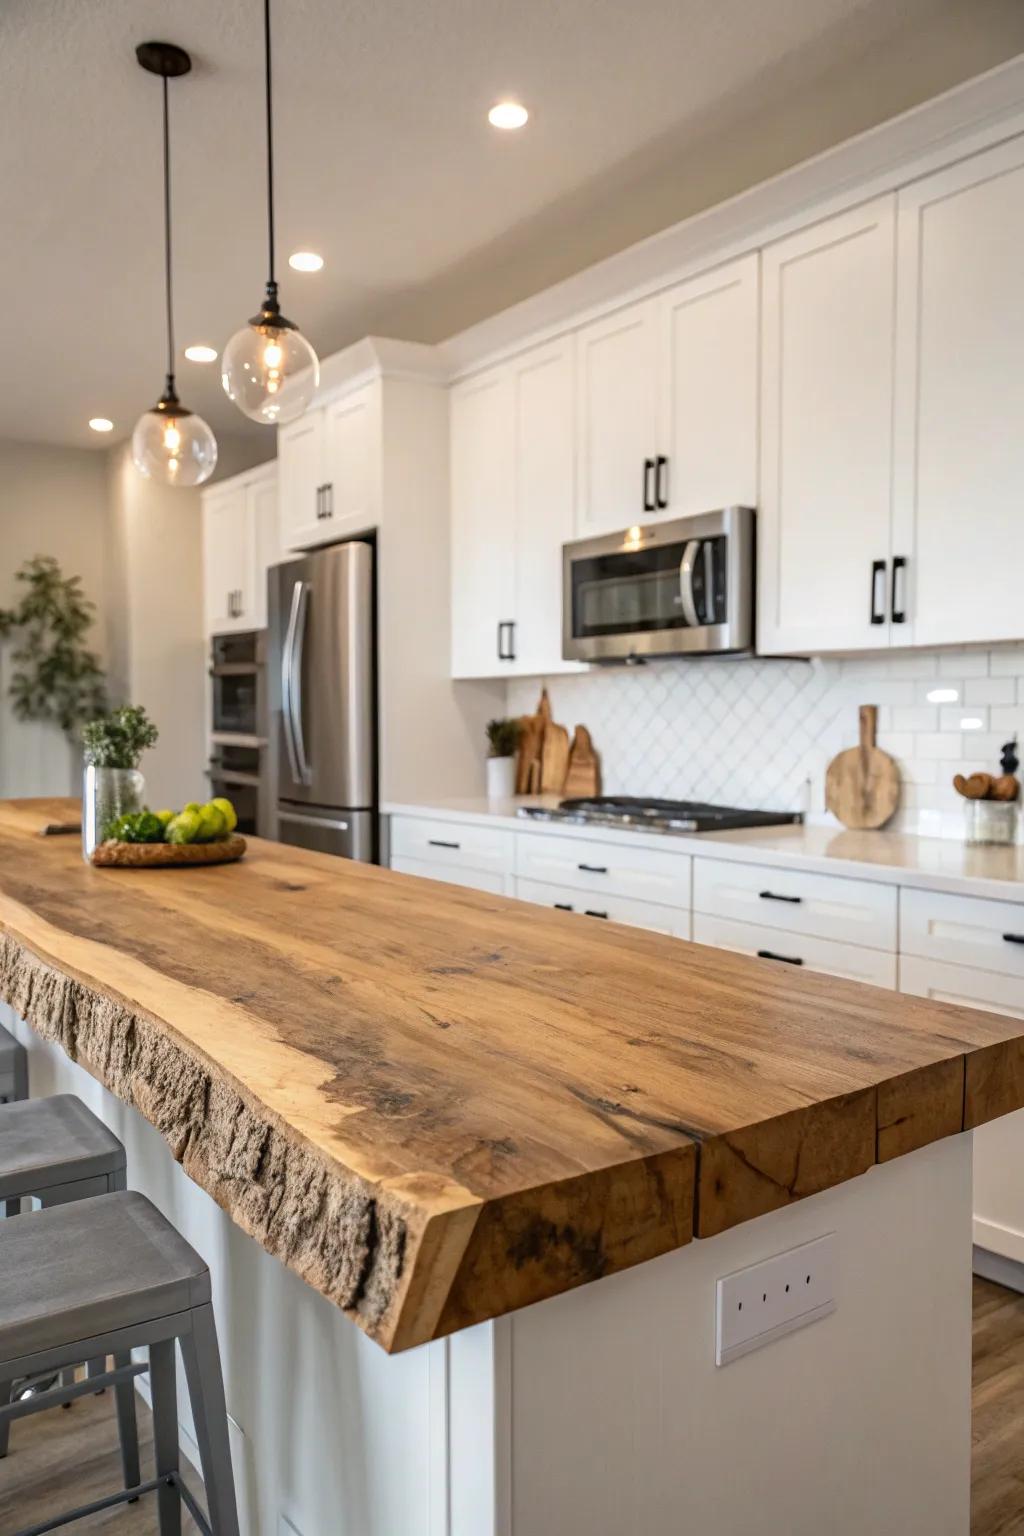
(601, 1412)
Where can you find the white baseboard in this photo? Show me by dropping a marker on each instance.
(998, 1268)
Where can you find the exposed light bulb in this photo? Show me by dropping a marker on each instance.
(177, 449)
(270, 371)
(172, 437)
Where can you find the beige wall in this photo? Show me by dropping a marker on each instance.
(53, 501)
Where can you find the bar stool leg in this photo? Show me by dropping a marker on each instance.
(209, 1411)
(127, 1426)
(165, 1433)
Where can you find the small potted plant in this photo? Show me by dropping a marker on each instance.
(502, 740)
(113, 785)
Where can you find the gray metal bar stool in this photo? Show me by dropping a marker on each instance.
(13, 1068)
(133, 1282)
(59, 1151)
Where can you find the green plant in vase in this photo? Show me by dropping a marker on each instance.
(56, 677)
(114, 787)
(502, 740)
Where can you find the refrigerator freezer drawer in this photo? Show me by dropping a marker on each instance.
(349, 834)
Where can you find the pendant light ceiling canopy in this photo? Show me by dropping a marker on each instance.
(170, 443)
(269, 369)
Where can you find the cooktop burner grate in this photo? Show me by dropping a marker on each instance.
(652, 815)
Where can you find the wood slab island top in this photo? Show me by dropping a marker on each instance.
(437, 1105)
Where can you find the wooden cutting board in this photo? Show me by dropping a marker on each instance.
(554, 764)
(584, 776)
(862, 784)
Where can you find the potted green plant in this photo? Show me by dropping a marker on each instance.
(502, 741)
(113, 786)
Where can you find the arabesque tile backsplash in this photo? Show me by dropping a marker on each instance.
(760, 732)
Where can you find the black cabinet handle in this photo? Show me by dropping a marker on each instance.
(774, 896)
(897, 609)
(507, 651)
(660, 498)
(438, 842)
(319, 502)
(648, 486)
(329, 499)
(877, 612)
(589, 913)
(593, 869)
(768, 954)
(564, 906)
(1014, 938)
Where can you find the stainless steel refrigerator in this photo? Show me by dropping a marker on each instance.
(323, 707)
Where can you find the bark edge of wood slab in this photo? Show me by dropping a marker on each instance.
(437, 1106)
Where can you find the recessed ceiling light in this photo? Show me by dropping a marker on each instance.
(101, 424)
(507, 114)
(305, 261)
(201, 354)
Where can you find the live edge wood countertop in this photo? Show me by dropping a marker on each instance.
(437, 1105)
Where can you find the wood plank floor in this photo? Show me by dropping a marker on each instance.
(66, 1457)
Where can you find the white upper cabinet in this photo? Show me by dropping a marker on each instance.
(828, 360)
(512, 509)
(960, 399)
(707, 405)
(616, 416)
(240, 542)
(301, 478)
(482, 524)
(351, 502)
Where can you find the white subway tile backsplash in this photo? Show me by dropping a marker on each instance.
(760, 732)
(990, 690)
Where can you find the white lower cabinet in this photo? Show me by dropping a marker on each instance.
(452, 845)
(852, 961)
(603, 905)
(854, 912)
(998, 1147)
(605, 868)
(454, 874)
(965, 931)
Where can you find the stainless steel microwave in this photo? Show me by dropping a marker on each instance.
(669, 589)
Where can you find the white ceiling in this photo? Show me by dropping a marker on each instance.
(642, 112)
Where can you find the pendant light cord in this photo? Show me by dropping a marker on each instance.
(167, 244)
(271, 281)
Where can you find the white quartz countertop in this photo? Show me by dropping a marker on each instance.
(894, 858)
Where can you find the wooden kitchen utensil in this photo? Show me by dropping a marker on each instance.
(554, 759)
(531, 747)
(584, 776)
(862, 784)
(976, 786)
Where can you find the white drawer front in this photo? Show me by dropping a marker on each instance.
(461, 845)
(642, 874)
(822, 906)
(603, 905)
(476, 879)
(946, 983)
(850, 960)
(963, 930)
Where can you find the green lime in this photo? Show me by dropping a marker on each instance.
(212, 824)
(183, 828)
(193, 808)
(227, 810)
(163, 817)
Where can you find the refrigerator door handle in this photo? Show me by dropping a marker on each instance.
(287, 670)
(300, 607)
(334, 823)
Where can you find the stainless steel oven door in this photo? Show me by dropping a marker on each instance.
(677, 588)
(348, 834)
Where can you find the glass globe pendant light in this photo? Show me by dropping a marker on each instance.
(171, 443)
(269, 369)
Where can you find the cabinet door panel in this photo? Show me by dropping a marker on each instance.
(350, 433)
(483, 523)
(227, 560)
(960, 467)
(708, 397)
(300, 465)
(261, 518)
(543, 450)
(616, 360)
(827, 400)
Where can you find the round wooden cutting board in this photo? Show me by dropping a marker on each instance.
(862, 784)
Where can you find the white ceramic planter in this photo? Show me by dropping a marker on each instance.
(501, 778)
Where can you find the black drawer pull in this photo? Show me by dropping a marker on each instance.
(774, 896)
(437, 842)
(649, 503)
(1014, 938)
(564, 906)
(589, 913)
(593, 869)
(768, 954)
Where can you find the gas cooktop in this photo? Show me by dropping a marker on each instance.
(656, 815)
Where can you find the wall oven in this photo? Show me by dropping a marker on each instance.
(679, 588)
(239, 757)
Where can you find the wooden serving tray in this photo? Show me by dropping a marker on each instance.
(114, 855)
